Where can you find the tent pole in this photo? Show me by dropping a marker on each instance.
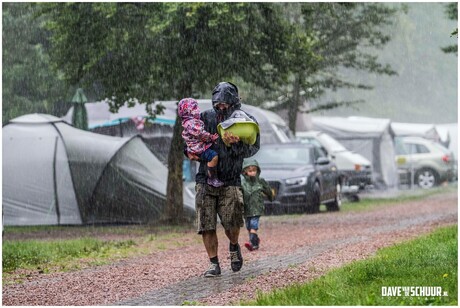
(56, 201)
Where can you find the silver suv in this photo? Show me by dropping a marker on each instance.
(423, 162)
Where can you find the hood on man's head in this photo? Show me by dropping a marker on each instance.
(226, 92)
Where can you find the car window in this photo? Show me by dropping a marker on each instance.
(420, 149)
(400, 147)
(319, 152)
(284, 155)
(410, 147)
(415, 148)
(310, 141)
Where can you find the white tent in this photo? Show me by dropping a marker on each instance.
(427, 131)
(370, 137)
(55, 174)
(449, 136)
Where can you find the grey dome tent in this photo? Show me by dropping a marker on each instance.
(156, 133)
(55, 174)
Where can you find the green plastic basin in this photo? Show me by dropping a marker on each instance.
(247, 131)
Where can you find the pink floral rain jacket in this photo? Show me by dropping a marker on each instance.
(196, 138)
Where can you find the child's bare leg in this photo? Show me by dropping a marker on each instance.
(213, 162)
(252, 234)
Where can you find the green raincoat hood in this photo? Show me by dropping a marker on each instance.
(251, 162)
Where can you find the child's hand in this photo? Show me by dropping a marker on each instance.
(214, 137)
(230, 138)
(192, 156)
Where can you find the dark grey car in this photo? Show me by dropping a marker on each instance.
(301, 177)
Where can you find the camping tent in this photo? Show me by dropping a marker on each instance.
(445, 134)
(157, 133)
(370, 137)
(449, 136)
(131, 121)
(273, 129)
(55, 174)
(427, 131)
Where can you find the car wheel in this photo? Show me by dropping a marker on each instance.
(353, 198)
(268, 210)
(335, 205)
(426, 178)
(314, 199)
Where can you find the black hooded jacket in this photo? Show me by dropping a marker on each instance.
(230, 158)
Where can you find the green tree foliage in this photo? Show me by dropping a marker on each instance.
(452, 14)
(157, 51)
(29, 85)
(164, 50)
(335, 35)
(324, 38)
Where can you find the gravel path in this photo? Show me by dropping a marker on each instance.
(293, 249)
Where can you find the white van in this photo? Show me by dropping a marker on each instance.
(355, 169)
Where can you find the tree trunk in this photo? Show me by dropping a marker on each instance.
(174, 210)
(294, 105)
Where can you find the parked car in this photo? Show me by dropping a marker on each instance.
(355, 169)
(301, 176)
(423, 162)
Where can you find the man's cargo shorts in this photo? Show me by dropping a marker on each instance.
(225, 201)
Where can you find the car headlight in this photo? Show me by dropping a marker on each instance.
(297, 181)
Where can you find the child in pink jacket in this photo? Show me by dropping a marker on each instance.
(198, 140)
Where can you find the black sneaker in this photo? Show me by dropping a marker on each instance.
(213, 270)
(236, 259)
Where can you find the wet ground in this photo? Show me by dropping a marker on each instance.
(197, 288)
(294, 249)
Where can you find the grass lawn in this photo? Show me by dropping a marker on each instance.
(41, 255)
(367, 203)
(64, 248)
(427, 261)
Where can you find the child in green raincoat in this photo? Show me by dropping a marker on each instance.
(254, 189)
